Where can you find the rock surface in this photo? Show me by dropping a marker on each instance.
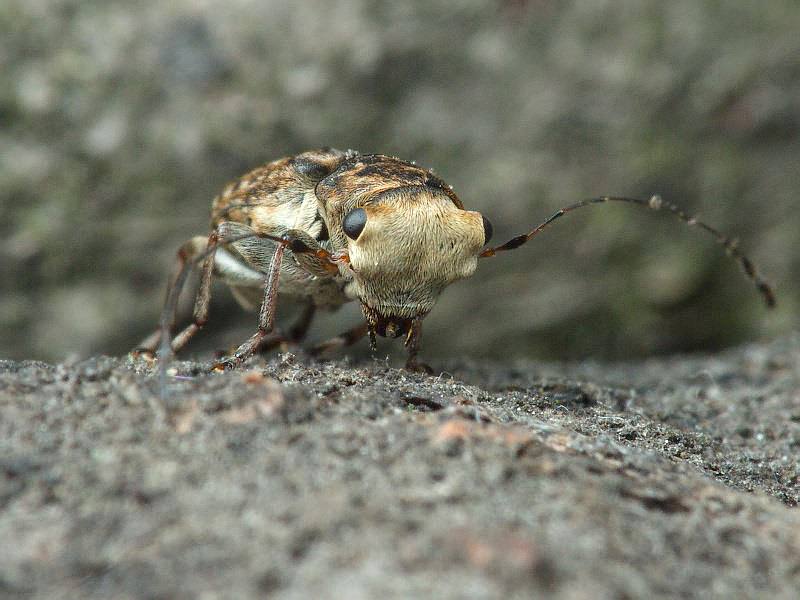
(294, 478)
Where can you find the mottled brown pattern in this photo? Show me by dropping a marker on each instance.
(376, 173)
(271, 185)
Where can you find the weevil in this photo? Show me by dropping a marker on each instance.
(326, 227)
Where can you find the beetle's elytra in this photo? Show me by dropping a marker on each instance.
(326, 227)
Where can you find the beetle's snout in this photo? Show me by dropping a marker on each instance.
(390, 326)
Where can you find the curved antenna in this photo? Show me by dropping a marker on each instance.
(654, 203)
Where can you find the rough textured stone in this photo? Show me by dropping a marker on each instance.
(294, 478)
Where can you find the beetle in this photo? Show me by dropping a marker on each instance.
(325, 227)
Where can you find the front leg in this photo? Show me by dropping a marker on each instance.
(266, 316)
(347, 338)
(412, 346)
(296, 333)
(185, 261)
(251, 246)
(312, 257)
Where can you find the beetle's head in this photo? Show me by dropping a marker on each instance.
(406, 234)
(404, 251)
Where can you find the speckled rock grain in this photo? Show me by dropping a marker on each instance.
(296, 479)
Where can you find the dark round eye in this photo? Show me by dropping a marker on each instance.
(487, 230)
(354, 222)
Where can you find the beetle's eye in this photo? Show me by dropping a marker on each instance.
(488, 230)
(354, 222)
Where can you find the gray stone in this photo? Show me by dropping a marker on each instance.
(304, 479)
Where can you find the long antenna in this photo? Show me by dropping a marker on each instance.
(731, 245)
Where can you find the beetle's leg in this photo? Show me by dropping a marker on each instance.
(189, 256)
(412, 346)
(312, 257)
(251, 245)
(347, 338)
(304, 247)
(255, 249)
(266, 317)
(185, 263)
(296, 333)
(203, 297)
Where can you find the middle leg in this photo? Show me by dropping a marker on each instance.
(266, 316)
(296, 334)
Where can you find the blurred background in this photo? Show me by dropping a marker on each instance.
(119, 121)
